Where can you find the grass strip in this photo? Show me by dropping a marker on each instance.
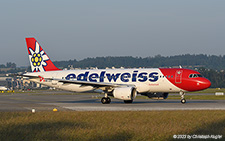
(128, 125)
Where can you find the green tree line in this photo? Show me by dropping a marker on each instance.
(210, 66)
(187, 61)
(8, 65)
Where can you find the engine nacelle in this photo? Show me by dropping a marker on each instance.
(125, 93)
(157, 95)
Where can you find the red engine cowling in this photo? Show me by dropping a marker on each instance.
(125, 93)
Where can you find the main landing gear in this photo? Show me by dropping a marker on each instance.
(183, 100)
(106, 99)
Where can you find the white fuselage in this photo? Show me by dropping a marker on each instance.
(145, 80)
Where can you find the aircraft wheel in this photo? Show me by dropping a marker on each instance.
(128, 101)
(108, 100)
(105, 100)
(183, 101)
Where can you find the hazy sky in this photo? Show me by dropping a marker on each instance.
(70, 29)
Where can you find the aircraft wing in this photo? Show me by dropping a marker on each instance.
(93, 84)
(96, 85)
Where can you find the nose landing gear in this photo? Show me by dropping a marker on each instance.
(183, 100)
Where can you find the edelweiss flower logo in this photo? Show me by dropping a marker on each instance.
(37, 58)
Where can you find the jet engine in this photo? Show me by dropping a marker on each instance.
(125, 93)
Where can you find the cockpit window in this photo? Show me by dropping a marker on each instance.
(195, 75)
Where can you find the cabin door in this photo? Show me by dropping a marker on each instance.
(178, 76)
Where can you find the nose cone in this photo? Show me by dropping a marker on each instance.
(205, 83)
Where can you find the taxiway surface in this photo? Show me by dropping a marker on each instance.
(46, 101)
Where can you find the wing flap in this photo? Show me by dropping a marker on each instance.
(93, 84)
(96, 85)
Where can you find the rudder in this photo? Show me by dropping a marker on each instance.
(39, 60)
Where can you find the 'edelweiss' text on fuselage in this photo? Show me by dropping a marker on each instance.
(113, 77)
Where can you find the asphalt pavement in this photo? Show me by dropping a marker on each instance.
(64, 101)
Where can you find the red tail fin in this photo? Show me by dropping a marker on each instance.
(39, 60)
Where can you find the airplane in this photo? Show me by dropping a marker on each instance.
(3, 88)
(123, 84)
